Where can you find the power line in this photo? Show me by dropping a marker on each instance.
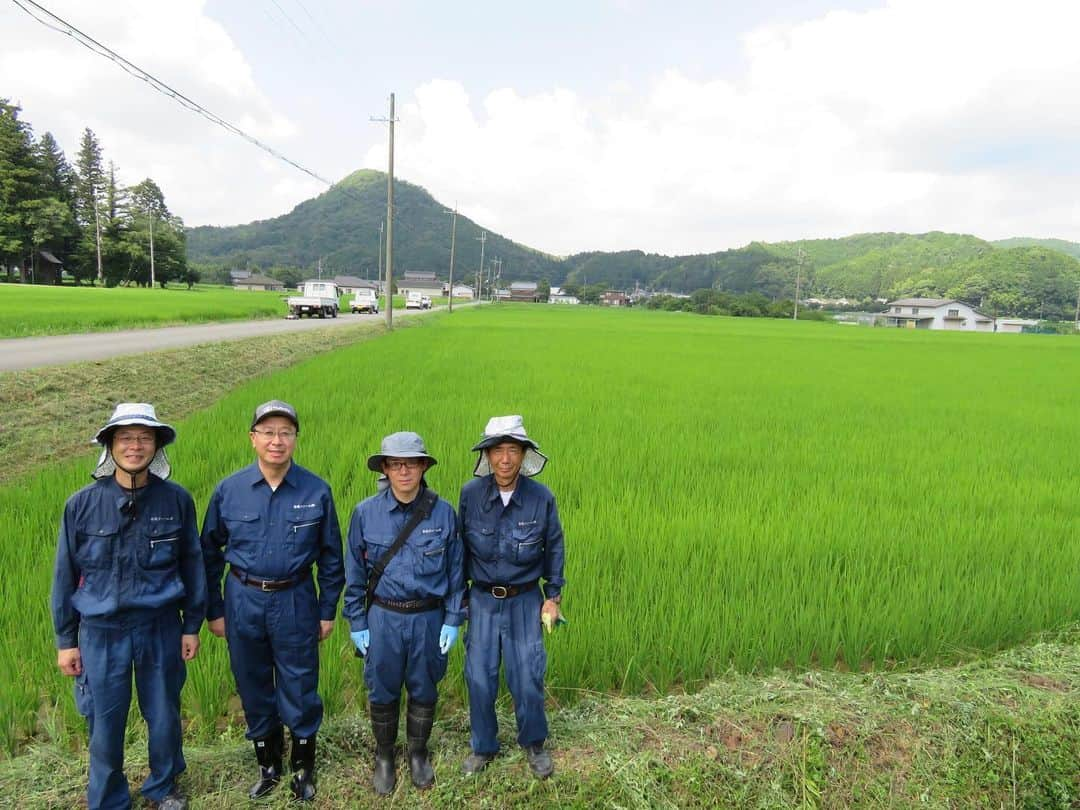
(98, 48)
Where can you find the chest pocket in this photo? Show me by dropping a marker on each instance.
(431, 556)
(483, 543)
(243, 527)
(303, 525)
(94, 545)
(528, 542)
(160, 548)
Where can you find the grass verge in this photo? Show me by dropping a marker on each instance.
(1001, 732)
(53, 413)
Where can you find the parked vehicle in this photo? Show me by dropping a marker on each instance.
(417, 300)
(365, 301)
(319, 298)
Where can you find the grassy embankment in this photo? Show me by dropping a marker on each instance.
(735, 413)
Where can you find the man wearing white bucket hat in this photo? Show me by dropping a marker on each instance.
(271, 522)
(406, 583)
(513, 538)
(129, 594)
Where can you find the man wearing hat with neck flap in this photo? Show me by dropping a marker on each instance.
(129, 595)
(406, 583)
(513, 539)
(271, 522)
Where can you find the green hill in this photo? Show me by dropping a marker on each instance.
(1025, 277)
(341, 226)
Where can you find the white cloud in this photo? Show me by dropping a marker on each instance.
(916, 116)
(208, 176)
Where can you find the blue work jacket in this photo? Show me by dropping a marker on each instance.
(515, 544)
(112, 567)
(273, 534)
(430, 565)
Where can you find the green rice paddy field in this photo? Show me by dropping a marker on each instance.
(735, 493)
(28, 309)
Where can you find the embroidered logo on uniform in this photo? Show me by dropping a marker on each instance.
(302, 505)
(523, 523)
(436, 530)
(156, 519)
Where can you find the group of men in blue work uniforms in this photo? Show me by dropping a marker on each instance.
(134, 581)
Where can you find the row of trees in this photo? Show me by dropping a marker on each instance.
(100, 231)
(717, 302)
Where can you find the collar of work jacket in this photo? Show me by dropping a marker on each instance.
(516, 497)
(391, 503)
(253, 475)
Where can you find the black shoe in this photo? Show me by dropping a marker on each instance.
(175, 800)
(384, 726)
(268, 752)
(302, 762)
(539, 761)
(419, 718)
(474, 763)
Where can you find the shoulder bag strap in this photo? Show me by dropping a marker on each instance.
(424, 504)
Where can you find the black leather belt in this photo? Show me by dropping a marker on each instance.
(408, 605)
(503, 591)
(269, 584)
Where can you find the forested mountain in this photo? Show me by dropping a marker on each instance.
(341, 227)
(1017, 277)
(1060, 245)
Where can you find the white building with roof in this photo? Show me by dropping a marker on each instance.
(937, 313)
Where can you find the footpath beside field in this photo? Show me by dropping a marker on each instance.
(999, 732)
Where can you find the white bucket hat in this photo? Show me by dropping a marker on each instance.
(501, 429)
(134, 413)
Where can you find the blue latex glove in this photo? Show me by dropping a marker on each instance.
(361, 638)
(447, 637)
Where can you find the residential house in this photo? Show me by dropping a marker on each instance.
(524, 291)
(557, 296)
(256, 282)
(464, 291)
(936, 313)
(350, 284)
(419, 281)
(614, 298)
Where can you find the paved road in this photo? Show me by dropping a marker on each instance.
(57, 350)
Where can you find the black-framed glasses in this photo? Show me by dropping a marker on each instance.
(404, 464)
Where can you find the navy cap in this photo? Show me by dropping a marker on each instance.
(275, 407)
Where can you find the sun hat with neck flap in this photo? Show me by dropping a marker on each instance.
(501, 429)
(134, 413)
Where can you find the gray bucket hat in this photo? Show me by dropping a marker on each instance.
(134, 413)
(501, 429)
(275, 407)
(404, 444)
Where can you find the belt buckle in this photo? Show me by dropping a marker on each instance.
(500, 591)
(263, 585)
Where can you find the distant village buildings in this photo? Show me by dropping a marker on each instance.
(937, 313)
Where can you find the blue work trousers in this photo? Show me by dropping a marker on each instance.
(110, 652)
(506, 630)
(274, 654)
(404, 651)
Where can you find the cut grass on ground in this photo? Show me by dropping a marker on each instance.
(1001, 732)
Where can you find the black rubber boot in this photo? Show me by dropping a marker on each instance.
(418, 721)
(384, 725)
(302, 762)
(268, 751)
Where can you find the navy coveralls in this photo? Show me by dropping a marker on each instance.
(512, 545)
(404, 647)
(273, 636)
(125, 588)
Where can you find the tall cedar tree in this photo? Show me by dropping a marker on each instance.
(89, 190)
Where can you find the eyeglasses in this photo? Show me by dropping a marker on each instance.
(402, 464)
(135, 438)
(267, 434)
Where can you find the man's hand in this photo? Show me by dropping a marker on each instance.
(549, 613)
(217, 627)
(361, 639)
(325, 629)
(69, 661)
(189, 646)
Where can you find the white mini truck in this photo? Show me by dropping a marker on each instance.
(365, 301)
(319, 298)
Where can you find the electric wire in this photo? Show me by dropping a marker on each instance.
(135, 71)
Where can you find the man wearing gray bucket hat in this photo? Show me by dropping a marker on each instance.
(513, 539)
(403, 601)
(271, 522)
(129, 596)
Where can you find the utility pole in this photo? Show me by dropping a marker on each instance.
(389, 219)
(480, 275)
(379, 278)
(800, 255)
(150, 213)
(453, 237)
(498, 273)
(1077, 319)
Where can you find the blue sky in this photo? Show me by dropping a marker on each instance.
(670, 127)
